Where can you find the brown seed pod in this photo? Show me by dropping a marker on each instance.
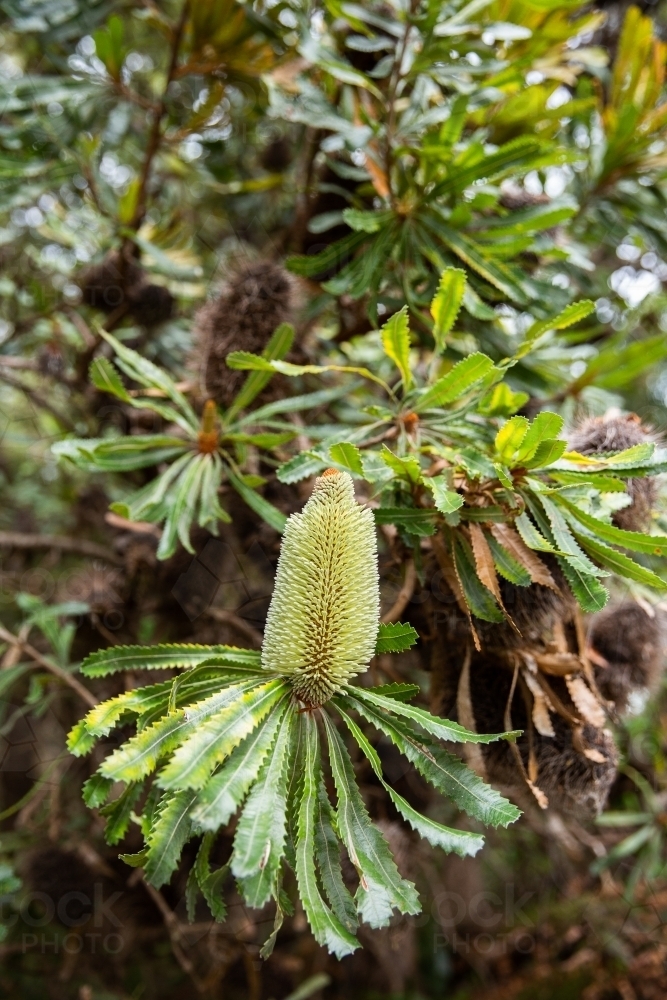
(258, 298)
(150, 304)
(625, 646)
(105, 286)
(597, 435)
(574, 768)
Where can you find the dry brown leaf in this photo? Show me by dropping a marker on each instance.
(541, 707)
(595, 756)
(464, 711)
(585, 701)
(515, 545)
(484, 564)
(542, 800)
(451, 576)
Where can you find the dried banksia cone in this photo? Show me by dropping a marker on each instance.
(625, 646)
(150, 304)
(610, 433)
(104, 286)
(323, 619)
(258, 299)
(576, 779)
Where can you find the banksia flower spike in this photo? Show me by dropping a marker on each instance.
(240, 731)
(323, 620)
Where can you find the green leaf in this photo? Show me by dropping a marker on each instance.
(510, 438)
(310, 267)
(444, 770)
(544, 427)
(395, 335)
(327, 855)
(118, 813)
(215, 738)
(446, 304)
(348, 457)
(104, 376)
(260, 834)
(277, 348)
(619, 563)
(222, 795)
(566, 542)
(395, 637)
(589, 592)
(327, 928)
(140, 754)
(446, 500)
(462, 377)
(462, 843)
(414, 520)
(546, 453)
(634, 540)
(407, 468)
(508, 567)
(167, 657)
(443, 729)
(381, 885)
(403, 692)
(573, 313)
(273, 517)
(169, 833)
(531, 536)
(478, 598)
(96, 791)
(300, 467)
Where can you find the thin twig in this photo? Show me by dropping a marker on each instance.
(404, 594)
(175, 935)
(235, 621)
(57, 671)
(20, 540)
(155, 136)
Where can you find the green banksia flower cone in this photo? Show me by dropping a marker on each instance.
(323, 620)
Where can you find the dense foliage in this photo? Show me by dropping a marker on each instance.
(420, 245)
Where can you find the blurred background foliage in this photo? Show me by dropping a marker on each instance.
(371, 146)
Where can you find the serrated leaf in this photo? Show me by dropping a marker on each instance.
(478, 597)
(446, 500)
(462, 377)
(119, 812)
(546, 453)
(588, 591)
(395, 334)
(617, 562)
(510, 437)
(443, 729)
(635, 540)
(215, 738)
(566, 542)
(79, 740)
(167, 657)
(327, 856)
(348, 457)
(544, 427)
(573, 313)
(395, 637)
(96, 790)
(406, 467)
(402, 692)
(260, 834)
(381, 885)
(459, 841)
(104, 376)
(169, 833)
(585, 701)
(414, 520)
(509, 567)
(446, 303)
(327, 928)
(530, 535)
(486, 570)
(223, 794)
(301, 467)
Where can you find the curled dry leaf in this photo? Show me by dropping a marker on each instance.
(541, 706)
(585, 701)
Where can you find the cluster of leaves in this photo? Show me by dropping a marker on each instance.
(226, 735)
